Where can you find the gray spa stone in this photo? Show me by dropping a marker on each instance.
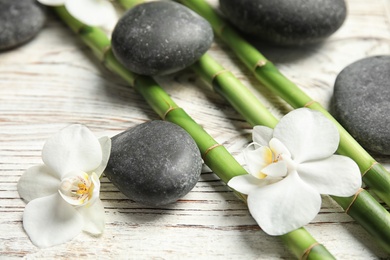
(361, 102)
(286, 22)
(20, 21)
(154, 163)
(160, 37)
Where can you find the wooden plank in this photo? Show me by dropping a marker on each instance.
(54, 81)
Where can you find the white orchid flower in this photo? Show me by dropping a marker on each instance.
(290, 167)
(63, 193)
(90, 12)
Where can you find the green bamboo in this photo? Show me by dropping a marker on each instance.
(364, 208)
(370, 215)
(228, 86)
(374, 175)
(218, 159)
(128, 4)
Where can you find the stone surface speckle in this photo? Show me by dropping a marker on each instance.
(154, 163)
(20, 21)
(160, 37)
(361, 102)
(292, 22)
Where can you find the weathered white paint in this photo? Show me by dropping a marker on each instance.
(54, 81)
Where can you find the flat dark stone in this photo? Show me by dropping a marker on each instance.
(160, 37)
(286, 22)
(20, 21)
(154, 163)
(361, 102)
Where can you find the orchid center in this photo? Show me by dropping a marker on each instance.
(267, 157)
(275, 160)
(77, 189)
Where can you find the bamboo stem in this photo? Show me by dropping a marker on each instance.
(377, 178)
(363, 207)
(226, 84)
(370, 215)
(219, 159)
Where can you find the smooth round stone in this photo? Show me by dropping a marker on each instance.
(154, 163)
(159, 38)
(286, 22)
(20, 20)
(361, 102)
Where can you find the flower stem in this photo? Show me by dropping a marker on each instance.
(215, 156)
(374, 175)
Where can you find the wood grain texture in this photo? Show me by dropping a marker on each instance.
(54, 81)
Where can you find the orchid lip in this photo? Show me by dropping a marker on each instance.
(77, 189)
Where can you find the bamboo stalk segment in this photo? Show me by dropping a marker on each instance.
(359, 207)
(362, 207)
(377, 178)
(218, 159)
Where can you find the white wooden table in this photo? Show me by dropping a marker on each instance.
(54, 81)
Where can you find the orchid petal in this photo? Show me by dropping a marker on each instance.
(74, 148)
(337, 175)
(277, 169)
(257, 157)
(94, 218)
(262, 135)
(96, 190)
(105, 143)
(307, 134)
(38, 181)
(51, 221)
(92, 12)
(52, 2)
(284, 206)
(246, 183)
(278, 148)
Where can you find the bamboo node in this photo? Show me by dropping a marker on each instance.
(134, 80)
(83, 29)
(217, 74)
(209, 149)
(105, 52)
(260, 63)
(220, 30)
(307, 250)
(170, 109)
(369, 168)
(311, 102)
(353, 200)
